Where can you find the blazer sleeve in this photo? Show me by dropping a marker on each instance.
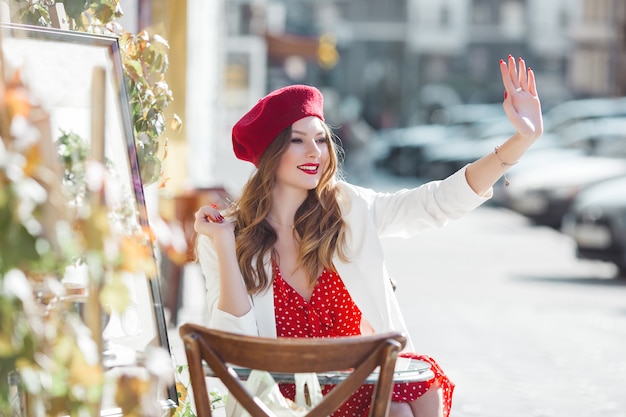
(217, 318)
(433, 204)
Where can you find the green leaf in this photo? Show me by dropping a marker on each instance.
(74, 8)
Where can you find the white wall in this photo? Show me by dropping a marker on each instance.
(547, 35)
(204, 63)
(131, 14)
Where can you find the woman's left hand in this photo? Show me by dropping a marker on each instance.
(521, 101)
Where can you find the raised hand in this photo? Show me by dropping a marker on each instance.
(521, 101)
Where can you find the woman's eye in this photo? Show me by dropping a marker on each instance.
(296, 140)
(321, 140)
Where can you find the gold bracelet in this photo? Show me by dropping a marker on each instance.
(503, 165)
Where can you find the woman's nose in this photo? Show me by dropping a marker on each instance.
(314, 149)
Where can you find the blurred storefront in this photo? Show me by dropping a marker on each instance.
(598, 65)
(401, 59)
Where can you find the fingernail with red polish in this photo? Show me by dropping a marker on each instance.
(505, 95)
(214, 206)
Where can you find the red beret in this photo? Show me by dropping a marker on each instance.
(254, 132)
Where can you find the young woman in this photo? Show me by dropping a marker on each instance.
(298, 255)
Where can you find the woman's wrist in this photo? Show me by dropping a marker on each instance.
(525, 139)
(224, 243)
(513, 148)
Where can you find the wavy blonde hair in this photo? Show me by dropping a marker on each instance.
(318, 222)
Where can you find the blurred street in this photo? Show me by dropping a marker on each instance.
(521, 326)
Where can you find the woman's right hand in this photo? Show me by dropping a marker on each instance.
(225, 284)
(210, 222)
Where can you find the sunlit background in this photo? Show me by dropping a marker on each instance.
(412, 88)
(393, 64)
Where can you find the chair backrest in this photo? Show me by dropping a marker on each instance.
(361, 354)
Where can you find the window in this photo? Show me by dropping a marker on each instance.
(512, 16)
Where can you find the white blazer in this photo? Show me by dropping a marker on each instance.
(368, 215)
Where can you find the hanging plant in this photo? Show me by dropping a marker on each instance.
(145, 63)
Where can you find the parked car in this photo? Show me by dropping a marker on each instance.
(576, 123)
(545, 193)
(602, 136)
(442, 161)
(468, 119)
(569, 112)
(596, 220)
(534, 159)
(404, 154)
(473, 130)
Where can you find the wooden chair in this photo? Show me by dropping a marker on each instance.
(362, 354)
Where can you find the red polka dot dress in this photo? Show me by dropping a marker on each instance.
(331, 312)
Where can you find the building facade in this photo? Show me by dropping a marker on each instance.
(399, 60)
(597, 49)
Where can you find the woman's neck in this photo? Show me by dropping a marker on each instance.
(284, 207)
(274, 222)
